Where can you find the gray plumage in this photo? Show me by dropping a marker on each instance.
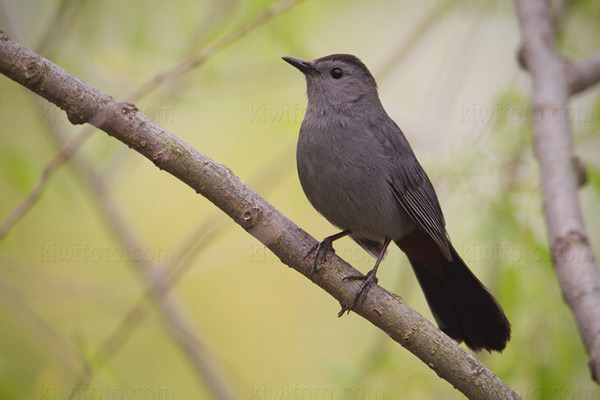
(376, 187)
(358, 170)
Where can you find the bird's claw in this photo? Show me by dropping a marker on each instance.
(368, 280)
(320, 249)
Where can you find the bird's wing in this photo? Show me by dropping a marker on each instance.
(413, 189)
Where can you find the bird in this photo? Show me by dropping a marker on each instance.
(358, 170)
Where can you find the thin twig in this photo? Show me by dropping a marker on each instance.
(63, 350)
(206, 231)
(572, 254)
(584, 74)
(60, 23)
(202, 56)
(171, 73)
(63, 155)
(560, 12)
(416, 34)
(177, 325)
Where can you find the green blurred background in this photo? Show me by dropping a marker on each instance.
(448, 75)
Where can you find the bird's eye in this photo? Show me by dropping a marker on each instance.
(337, 73)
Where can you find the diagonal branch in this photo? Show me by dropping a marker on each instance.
(584, 74)
(152, 84)
(63, 349)
(199, 58)
(573, 257)
(59, 158)
(176, 324)
(59, 25)
(85, 104)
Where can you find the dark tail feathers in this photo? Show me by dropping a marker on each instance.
(463, 307)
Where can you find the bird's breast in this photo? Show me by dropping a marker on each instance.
(345, 176)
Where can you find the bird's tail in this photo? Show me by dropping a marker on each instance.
(462, 306)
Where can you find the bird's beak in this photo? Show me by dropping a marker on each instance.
(304, 66)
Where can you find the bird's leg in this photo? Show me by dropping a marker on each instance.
(368, 279)
(321, 248)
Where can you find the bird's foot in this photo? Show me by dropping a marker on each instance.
(368, 280)
(322, 248)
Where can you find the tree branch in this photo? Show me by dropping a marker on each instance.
(85, 104)
(150, 85)
(177, 326)
(582, 75)
(63, 349)
(573, 257)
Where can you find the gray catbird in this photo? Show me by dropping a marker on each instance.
(358, 170)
